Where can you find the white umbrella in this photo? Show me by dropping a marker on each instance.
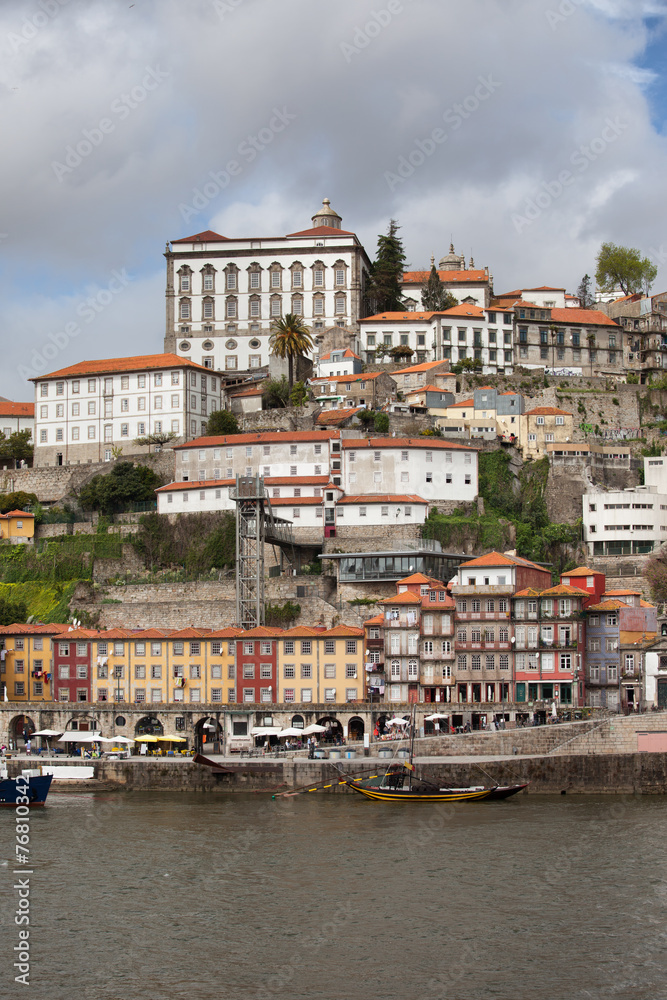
(123, 739)
(398, 722)
(76, 737)
(432, 718)
(48, 732)
(554, 711)
(291, 731)
(313, 728)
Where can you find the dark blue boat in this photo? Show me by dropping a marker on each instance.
(37, 789)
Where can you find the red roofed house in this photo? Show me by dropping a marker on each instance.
(16, 417)
(544, 425)
(410, 648)
(85, 411)
(223, 293)
(466, 331)
(374, 390)
(341, 361)
(484, 655)
(465, 282)
(565, 339)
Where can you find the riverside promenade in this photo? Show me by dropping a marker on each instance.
(582, 757)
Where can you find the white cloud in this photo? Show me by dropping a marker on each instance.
(352, 119)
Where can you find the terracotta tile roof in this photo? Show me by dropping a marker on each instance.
(208, 236)
(225, 633)
(337, 416)
(397, 317)
(622, 593)
(80, 633)
(256, 390)
(377, 620)
(35, 628)
(347, 353)
(190, 633)
(425, 367)
(528, 592)
(363, 377)
(407, 597)
(430, 443)
(500, 559)
(582, 571)
(420, 578)
(465, 309)
(612, 605)
(262, 632)
(300, 630)
(547, 411)
(448, 277)
(344, 630)
(587, 317)
(296, 501)
(199, 484)
(259, 437)
(143, 362)
(636, 638)
(561, 590)
(322, 231)
(11, 409)
(464, 402)
(645, 604)
(424, 388)
(544, 288)
(370, 498)
(17, 513)
(115, 633)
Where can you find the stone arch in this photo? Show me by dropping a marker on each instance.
(208, 734)
(149, 725)
(356, 728)
(333, 728)
(20, 728)
(297, 722)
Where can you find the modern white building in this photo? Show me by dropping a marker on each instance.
(16, 417)
(84, 412)
(625, 522)
(224, 293)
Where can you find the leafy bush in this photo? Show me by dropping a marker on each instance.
(124, 485)
(280, 615)
(632, 378)
(197, 542)
(381, 422)
(222, 422)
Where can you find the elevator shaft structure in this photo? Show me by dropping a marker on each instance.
(251, 503)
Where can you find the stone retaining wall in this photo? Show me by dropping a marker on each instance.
(638, 773)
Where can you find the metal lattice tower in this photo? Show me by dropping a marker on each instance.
(251, 504)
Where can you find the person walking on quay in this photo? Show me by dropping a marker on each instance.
(28, 746)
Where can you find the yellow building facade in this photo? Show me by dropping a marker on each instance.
(321, 666)
(17, 526)
(26, 668)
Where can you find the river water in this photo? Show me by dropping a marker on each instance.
(169, 896)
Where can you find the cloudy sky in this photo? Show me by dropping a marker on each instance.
(528, 131)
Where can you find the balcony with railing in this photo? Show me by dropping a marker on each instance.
(490, 589)
(482, 616)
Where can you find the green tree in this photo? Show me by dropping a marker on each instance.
(366, 417)
(275, 394)
(435, 297)
(124, 485)
(17, 447)
(160, 437)
(222, 422)
(12, 612)
(290, 338)
(584, 293)
(625, 268)
(381, 422)
(401, 353)
(299, 394)
(383, 293)
(467, 365)
(17, 501)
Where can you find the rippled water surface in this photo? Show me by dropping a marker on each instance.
(166, 896)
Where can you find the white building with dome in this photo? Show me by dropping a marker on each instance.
(469, 285)
(223, 293)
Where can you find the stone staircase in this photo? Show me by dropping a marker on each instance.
(617, 734)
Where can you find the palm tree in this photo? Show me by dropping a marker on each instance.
(290, 338)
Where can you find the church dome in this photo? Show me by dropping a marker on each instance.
(326, 216)
(452, 262)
